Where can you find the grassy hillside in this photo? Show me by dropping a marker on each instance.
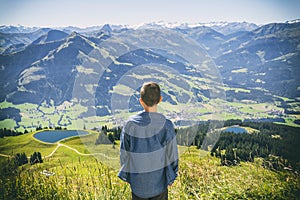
(204, 178)
(24, 143)
(85, 177)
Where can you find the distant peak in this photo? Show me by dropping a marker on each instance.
(293, 21)
(106, 27)
(74, 34)
(162, 24)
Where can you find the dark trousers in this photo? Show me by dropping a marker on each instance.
(161, 196)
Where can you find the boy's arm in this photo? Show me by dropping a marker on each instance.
(124, 146)
(173, 154)
(172, 149)
(124, 157)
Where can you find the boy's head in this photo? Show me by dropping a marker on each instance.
(150, 94)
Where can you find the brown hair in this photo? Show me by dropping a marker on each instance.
(150, 93)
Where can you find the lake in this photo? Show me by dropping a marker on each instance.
(235, 129)
(53, 136)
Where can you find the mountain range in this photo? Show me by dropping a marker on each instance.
(253, 63)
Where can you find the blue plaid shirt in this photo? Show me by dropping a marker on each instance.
(148, 154)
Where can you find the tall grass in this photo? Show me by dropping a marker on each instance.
(199, 178)
(67, 182)
(204, 178)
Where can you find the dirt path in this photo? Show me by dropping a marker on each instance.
(79, 153)
(4, 155)
(51, 154)
(73, 149)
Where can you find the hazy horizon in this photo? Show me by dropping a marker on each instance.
(33, 13)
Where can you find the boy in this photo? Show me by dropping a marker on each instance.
(148, 149)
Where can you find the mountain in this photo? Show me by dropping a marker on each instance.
(101, 68)
(47, 73)
(227, 28)
(266, 57)
(205, 36)
(224, 28)
(17, 29)
(12, 40)
(52, 35)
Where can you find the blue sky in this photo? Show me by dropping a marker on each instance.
(85, 13)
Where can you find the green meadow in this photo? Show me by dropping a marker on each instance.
(79, 173)
(24, 143)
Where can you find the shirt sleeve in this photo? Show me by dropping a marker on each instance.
(124, 156)
(172, 149)
(124, 146)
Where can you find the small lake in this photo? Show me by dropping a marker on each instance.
(53, 136)
(235, 129)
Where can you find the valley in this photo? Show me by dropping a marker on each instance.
(212, 76)
(31, 116)
(81, 78)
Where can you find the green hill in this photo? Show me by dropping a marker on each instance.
(82, 176)
(24, 143)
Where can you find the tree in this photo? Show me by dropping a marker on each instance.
(21, 159)
(111, 138)
(39, 128)
(102, 138)
(36, 157)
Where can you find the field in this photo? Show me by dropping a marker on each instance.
(24, 143)
(181, 103)
(79, 175)
(68, 114)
